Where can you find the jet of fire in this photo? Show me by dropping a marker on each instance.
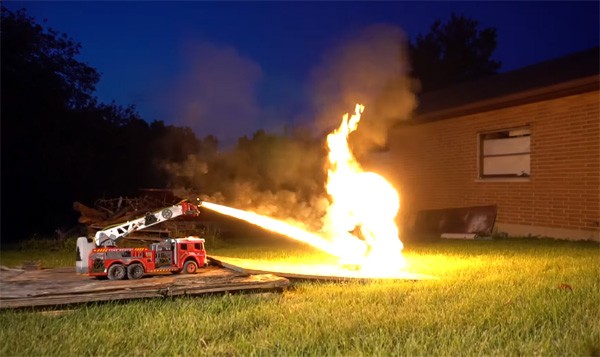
(349, 252)
(359, 227)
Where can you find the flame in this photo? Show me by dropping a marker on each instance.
(288, 230)
(363, 203)
(359, 227)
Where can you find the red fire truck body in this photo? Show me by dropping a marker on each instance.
(102, 258)
(172, 255)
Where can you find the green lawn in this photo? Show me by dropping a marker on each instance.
(500, 297)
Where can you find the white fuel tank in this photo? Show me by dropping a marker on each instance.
(84, 248)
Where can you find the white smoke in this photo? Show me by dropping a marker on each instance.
(370, 68)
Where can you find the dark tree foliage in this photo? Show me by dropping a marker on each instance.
(42, 88)
(44, 63)
(453, 52)
(58, 144)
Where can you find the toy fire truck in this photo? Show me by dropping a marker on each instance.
(102, 258)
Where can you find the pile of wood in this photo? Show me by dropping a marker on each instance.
(111, 211)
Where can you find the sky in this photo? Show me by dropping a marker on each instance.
(231, 68)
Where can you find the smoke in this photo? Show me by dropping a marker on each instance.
(370, 68)
(281, 177)
(284, 176)
(217, 93)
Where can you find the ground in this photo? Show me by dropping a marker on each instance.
(506, 296)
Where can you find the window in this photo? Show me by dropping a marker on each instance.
(505, 153)
(197, 246)
(183, 246)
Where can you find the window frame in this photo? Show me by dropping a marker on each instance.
(481, 139)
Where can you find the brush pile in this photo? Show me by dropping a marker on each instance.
(111, 211)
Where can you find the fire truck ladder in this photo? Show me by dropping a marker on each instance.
(110, 235)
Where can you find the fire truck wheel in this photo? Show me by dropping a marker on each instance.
(117, 272)
(190, 267)
(135, 271)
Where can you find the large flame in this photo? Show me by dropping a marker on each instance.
(359, 227)
(363, 204)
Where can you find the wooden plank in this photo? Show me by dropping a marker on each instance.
(308, 271)
(53, 287)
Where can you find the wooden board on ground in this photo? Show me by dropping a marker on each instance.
(53, 287)
(309, 271)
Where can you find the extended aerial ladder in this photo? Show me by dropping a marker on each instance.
(109, 236)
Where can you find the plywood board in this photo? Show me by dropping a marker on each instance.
(478, 220)
(308, 271)
(53, 287)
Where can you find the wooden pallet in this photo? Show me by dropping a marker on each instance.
(62, 286)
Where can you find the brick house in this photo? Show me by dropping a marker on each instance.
(526, 141)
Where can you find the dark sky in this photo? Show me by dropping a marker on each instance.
(178, 61)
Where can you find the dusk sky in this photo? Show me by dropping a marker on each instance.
(253, 60)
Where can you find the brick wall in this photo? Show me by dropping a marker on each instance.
(434, 165)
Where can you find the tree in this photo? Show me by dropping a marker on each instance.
(42, 86)
(43, 61)
(453, 52)
(58, 144)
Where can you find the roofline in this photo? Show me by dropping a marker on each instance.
(577, 86)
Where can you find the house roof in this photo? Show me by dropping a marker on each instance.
(567, 75)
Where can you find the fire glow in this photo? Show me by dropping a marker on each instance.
(363, 203)
(359, 227)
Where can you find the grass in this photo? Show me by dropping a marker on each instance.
(501, 297)
(51, 253)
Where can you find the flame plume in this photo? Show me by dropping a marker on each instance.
(364, 205)
(359, 227)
